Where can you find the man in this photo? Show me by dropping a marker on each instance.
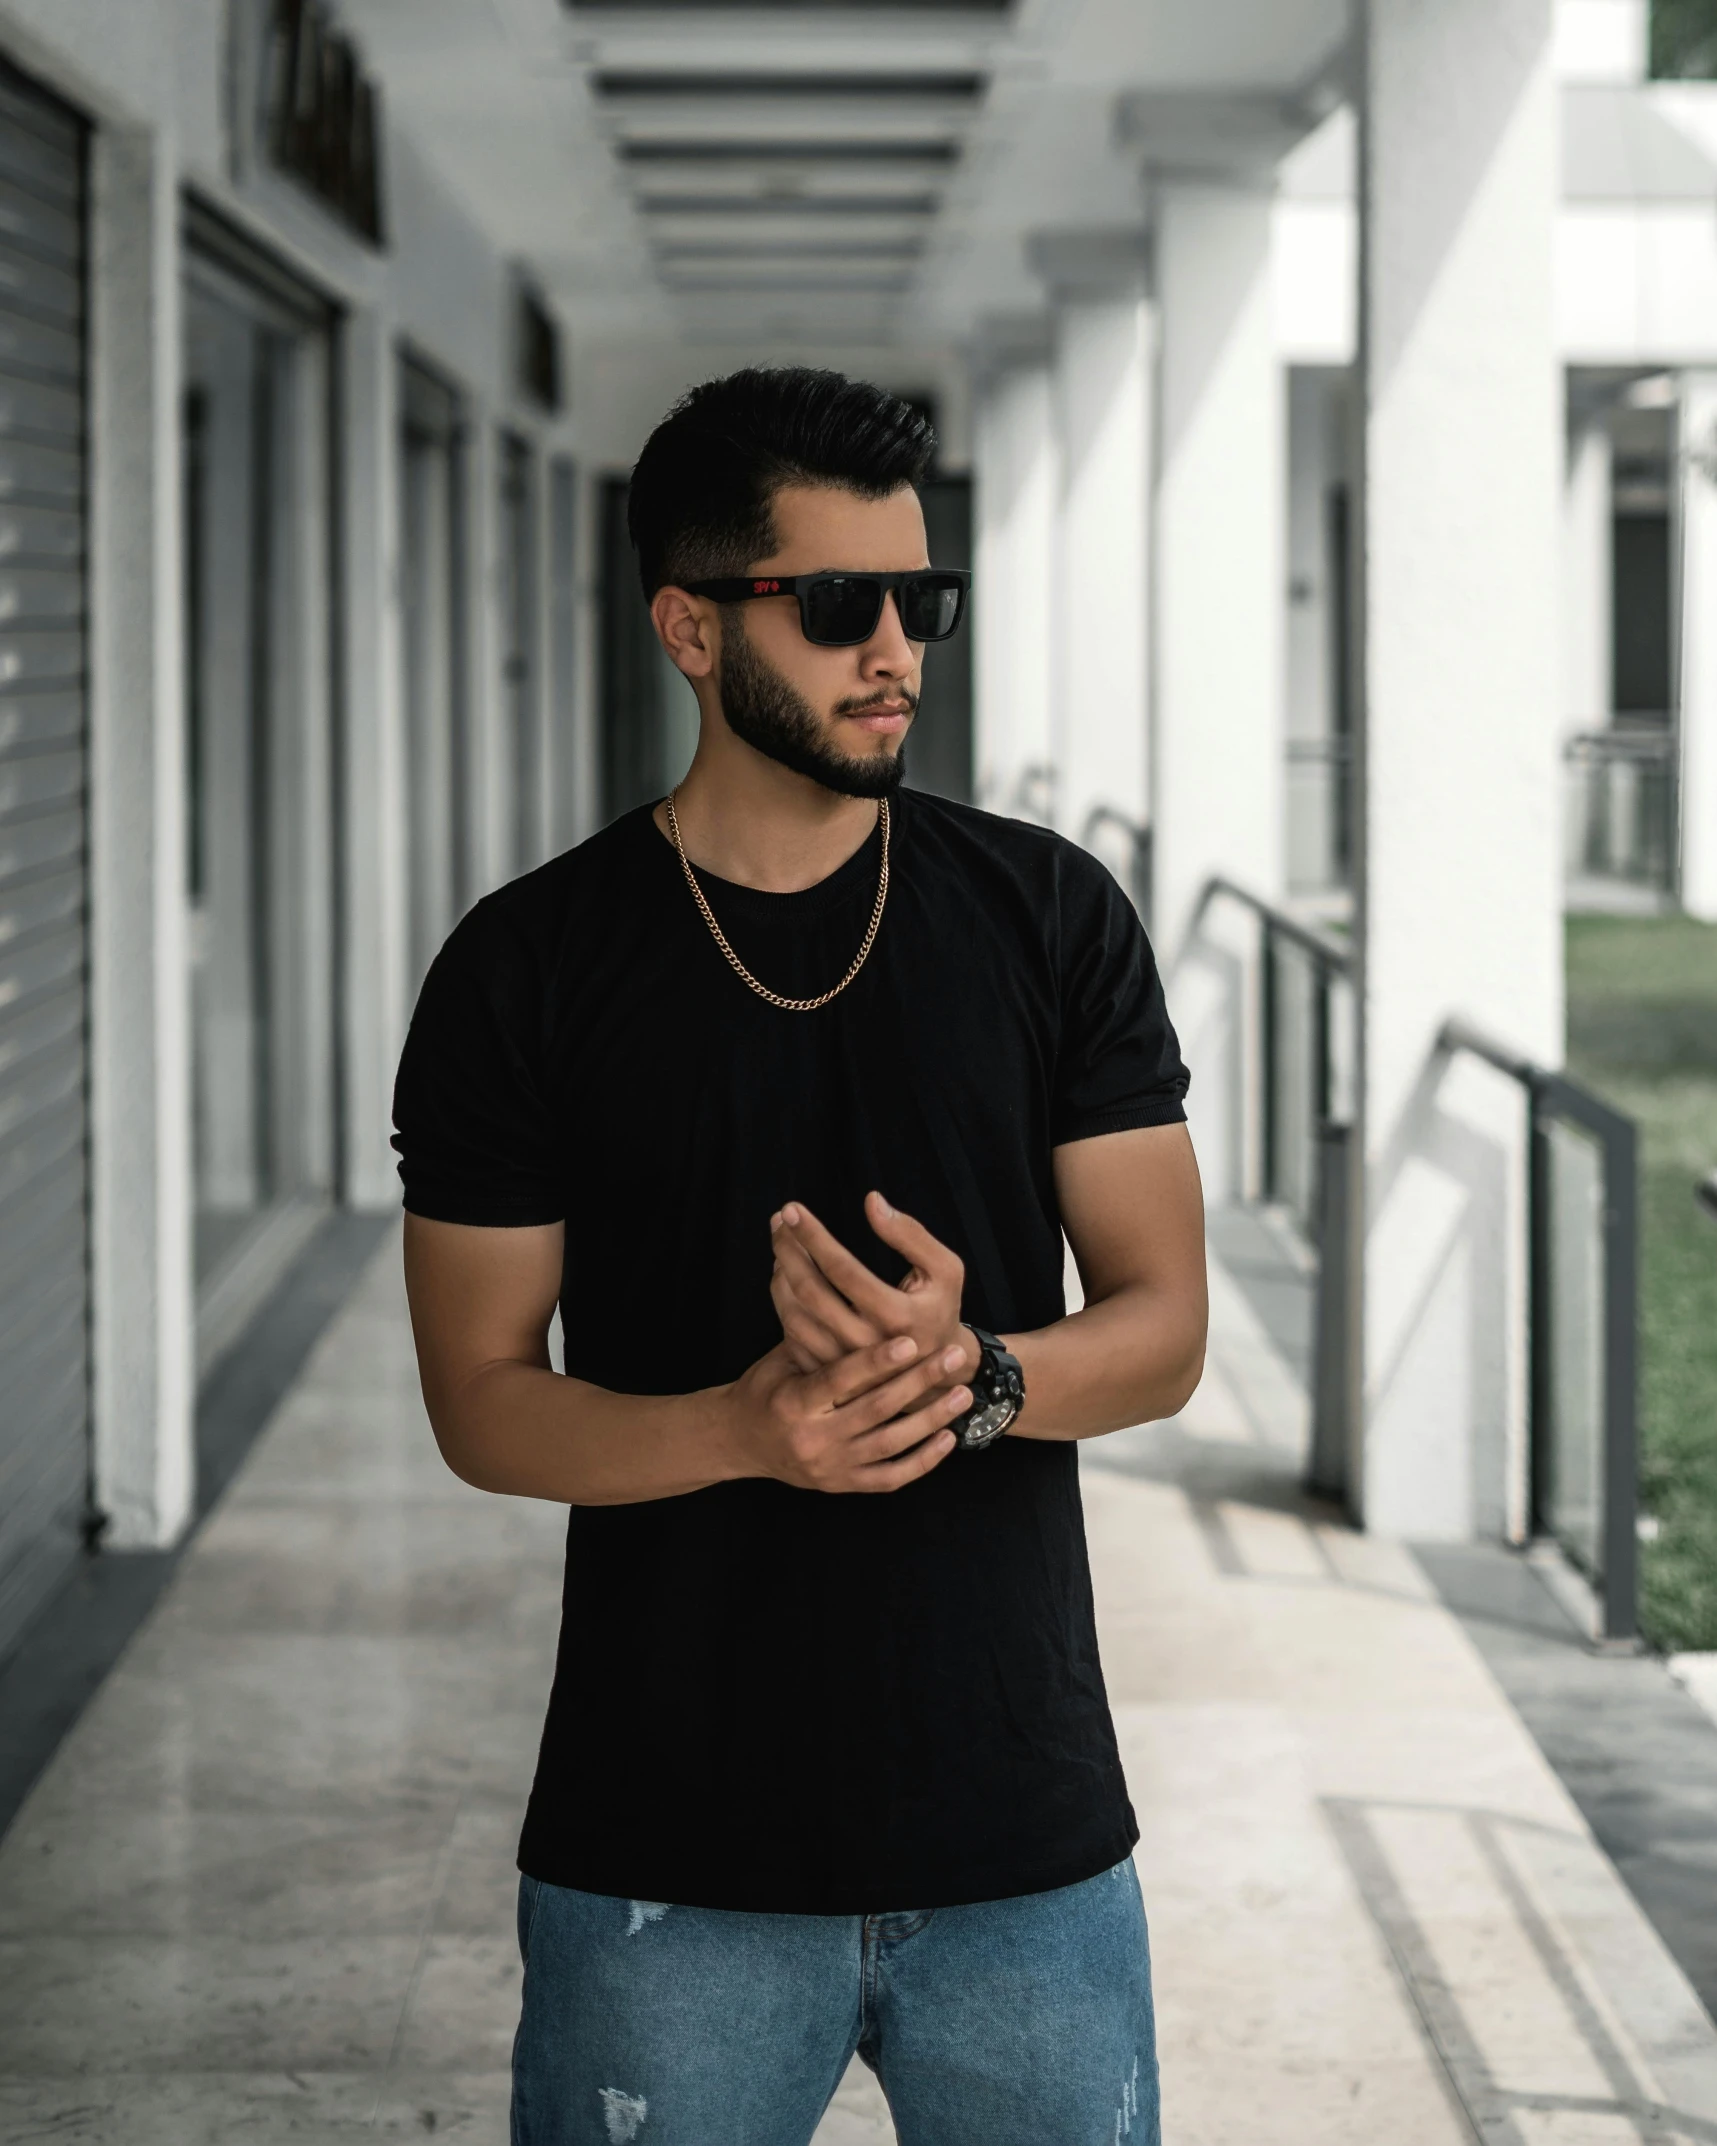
(769, 1087)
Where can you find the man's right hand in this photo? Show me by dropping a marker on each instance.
(873, 1420)
(481, 1302)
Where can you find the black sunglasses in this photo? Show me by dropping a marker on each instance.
(840, 610)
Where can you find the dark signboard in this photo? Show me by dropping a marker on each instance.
(538, 346)
(321, 114)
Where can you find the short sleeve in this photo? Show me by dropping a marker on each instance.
(475, 1138)
(1118, 1066)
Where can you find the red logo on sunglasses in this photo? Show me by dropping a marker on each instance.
(766, 588)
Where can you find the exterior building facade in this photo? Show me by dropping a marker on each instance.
(285, 690)
(1337, 453)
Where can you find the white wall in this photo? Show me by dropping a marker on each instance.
(1636, 285)
(1314, 250)
(1600, 40)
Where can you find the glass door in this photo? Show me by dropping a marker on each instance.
(260, 833)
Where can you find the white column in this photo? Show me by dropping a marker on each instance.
(1460, 888)
(489, 744)
(142, 1345)
(1103, 402)
(1221, 547)
(1018, 486)
(1586, 579)
(1699, 645)
(376, 918)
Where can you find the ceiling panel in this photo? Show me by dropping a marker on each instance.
(631, 150)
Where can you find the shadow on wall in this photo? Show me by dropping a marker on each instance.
(1212, 985)
(1446, 1252)
(1446, 1284)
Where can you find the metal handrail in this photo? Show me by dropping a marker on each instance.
(1336, 1218)
(1323, 946)
(1554, 1096)
(1646, 744)
(1138, 837)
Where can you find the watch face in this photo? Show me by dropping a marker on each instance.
(985, 1425)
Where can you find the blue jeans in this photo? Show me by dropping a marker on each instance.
(1023, 2022)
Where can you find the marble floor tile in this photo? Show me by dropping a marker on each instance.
(251, 2108)
(265, 1892)
(470, 2107)
(175, 1869)
(253, 1722)
(378, 1571)
(204, 2003)
(1253, 2098)
(241, 2107)
(479, 1882)
(464, 2004)
(858, 2115)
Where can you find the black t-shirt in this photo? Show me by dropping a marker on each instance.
(769, 1698)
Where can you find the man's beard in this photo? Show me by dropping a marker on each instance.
(766, 711)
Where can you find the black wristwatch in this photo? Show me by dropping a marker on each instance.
(998, 1395)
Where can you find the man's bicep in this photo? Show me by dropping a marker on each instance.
(479, 1296)
(1133, 1209)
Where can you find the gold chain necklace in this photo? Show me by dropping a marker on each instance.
(787, 1005)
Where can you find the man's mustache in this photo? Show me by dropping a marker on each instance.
(878, 700)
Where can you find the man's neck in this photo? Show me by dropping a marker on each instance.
(763, 826)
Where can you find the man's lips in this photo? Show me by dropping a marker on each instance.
(883, 718)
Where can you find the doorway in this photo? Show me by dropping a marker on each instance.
(521, 684)
(434, 643)
(259, 779)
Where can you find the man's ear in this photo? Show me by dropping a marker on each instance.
(687, 629)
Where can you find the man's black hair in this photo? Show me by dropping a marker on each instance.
(704, 487)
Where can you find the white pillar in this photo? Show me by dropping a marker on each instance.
(376, 905)
(1460, 895)
(141, 1288)
(1103, 401)
(1221, 544)
(1699, 645)
(1586, 579)
(1018, 489)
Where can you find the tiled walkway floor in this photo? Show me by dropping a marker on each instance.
(265, 1890)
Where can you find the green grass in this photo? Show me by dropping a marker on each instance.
(1642, 1030)
(1684, 37)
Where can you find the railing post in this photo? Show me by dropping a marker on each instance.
(1332, 1340)
(1621, 1327)
(1541, 1340)
(1269, 1156)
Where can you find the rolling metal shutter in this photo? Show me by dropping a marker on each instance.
(44, 1229)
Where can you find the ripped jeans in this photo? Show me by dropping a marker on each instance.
(1022, 2022)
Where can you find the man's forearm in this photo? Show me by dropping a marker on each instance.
(527, 1432)
(1133, 1357)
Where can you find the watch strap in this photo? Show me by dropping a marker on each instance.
(997, 1382)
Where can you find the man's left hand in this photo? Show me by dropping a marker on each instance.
(830, 1303)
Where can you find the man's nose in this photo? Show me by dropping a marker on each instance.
(888, 649)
